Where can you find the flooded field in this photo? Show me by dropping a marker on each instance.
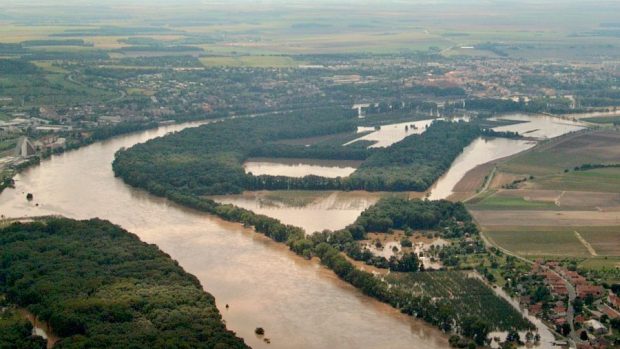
(312, 211)
(539, 126)
(300, 167)
(387, 135)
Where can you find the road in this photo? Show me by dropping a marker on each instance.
(572, 294)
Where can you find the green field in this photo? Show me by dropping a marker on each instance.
(50, 89)
(604, 240)
(604, 119)
(603, 180)
(250, 61)
(542, 161)
(496, 202)
(606, 269)
(558, 241)
(539, 241)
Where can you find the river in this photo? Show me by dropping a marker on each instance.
(299, 303)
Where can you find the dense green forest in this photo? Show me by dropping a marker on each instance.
(208, 160)
(16, 332)
(400, 213)
(99, 286)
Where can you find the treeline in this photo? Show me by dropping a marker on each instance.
(102, 133)
(65, 42)
(354, 151)
(158, 48)
(98, 286)
(162, 61)
(77, 56)
(15, 66)
(494, 106)
(586, 167)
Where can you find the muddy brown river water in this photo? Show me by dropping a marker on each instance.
(299, 303)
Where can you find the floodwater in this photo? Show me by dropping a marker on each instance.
(299, 303)
(392, 133)
(300, 167)
(546, 337)
(539, 126)
(482, 150)
(312, 211)
(479, 152)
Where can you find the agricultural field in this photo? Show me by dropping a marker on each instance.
(464, 293)
(603, 180)
(293, 28)
(615, 119)
(555, 156)
(557, 242)
(557, 212)
(535, 242)
(556, 218)
(500, 201)
(256, 61)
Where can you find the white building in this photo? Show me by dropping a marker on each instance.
(25, 148)
(595, 326)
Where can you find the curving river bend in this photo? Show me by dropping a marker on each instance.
(299, 303)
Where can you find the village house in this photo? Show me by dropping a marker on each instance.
(595, 327)
(586, 290)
